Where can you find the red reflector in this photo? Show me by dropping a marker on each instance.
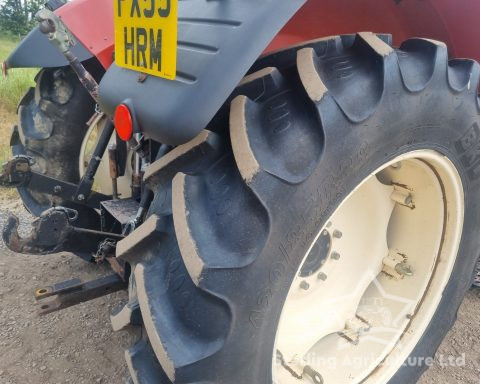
(123, 122)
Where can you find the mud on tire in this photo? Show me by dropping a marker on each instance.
(53, 120)
(235, 210)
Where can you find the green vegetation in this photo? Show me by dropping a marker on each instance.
(18, 16)
(12, 90)
(18, 81)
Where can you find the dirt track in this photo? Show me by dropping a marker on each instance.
(78, 346)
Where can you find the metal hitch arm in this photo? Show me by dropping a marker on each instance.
(73, 292)
(17, 172)
(53, 232)
(57, 32)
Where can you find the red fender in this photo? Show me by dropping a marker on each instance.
(454, 22)
(91, 22)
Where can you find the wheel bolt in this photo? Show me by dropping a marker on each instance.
(335, 256)
(322, 276)
(397, 165)
(304, 285)
(337, 234)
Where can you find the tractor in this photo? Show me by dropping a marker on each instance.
(277, 183)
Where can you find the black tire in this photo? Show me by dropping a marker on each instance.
(53, 120)
(213, 263)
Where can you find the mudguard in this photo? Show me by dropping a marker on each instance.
(218, 41)
(36, 51)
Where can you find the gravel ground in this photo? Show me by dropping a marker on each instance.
(77, 345)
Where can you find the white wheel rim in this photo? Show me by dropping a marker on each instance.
(358, 316)
(103, 182)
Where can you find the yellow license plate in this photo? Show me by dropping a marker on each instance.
(146, 36)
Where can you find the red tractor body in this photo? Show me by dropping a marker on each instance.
(453, 22)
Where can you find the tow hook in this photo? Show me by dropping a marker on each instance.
(16, 172)
(54, 232)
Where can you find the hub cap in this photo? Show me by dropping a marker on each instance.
(372, 279)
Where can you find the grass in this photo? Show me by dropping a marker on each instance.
(18, 81)
(12, 90)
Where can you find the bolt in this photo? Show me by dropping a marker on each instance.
(304, 285)
(57, 189)
(337, 234)
(404, 269)
(397, 166)
(81, 197)
(322, 276)
(335, 256)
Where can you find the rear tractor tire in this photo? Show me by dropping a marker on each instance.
(335, 221)
(52, 124)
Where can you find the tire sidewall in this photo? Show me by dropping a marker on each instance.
(350, 155)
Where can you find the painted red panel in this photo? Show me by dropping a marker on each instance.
(452, 21)
(91, 22)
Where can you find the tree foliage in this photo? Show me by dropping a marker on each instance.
(17, 16)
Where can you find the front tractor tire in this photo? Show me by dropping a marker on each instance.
(52, 125)
(338, 210)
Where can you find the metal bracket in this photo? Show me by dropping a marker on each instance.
(52, 233)
(73, 292)
(17, 172)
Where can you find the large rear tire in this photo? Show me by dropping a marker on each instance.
(236, 213)
(53, 120)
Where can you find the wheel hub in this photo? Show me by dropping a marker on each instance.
(372, 279)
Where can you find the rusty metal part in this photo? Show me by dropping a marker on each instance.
(137, 179)
(16, 172)
(73, 292)
(117, 267)
(52, 233)
(113, 165)
(52, 26)
(106, 252)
